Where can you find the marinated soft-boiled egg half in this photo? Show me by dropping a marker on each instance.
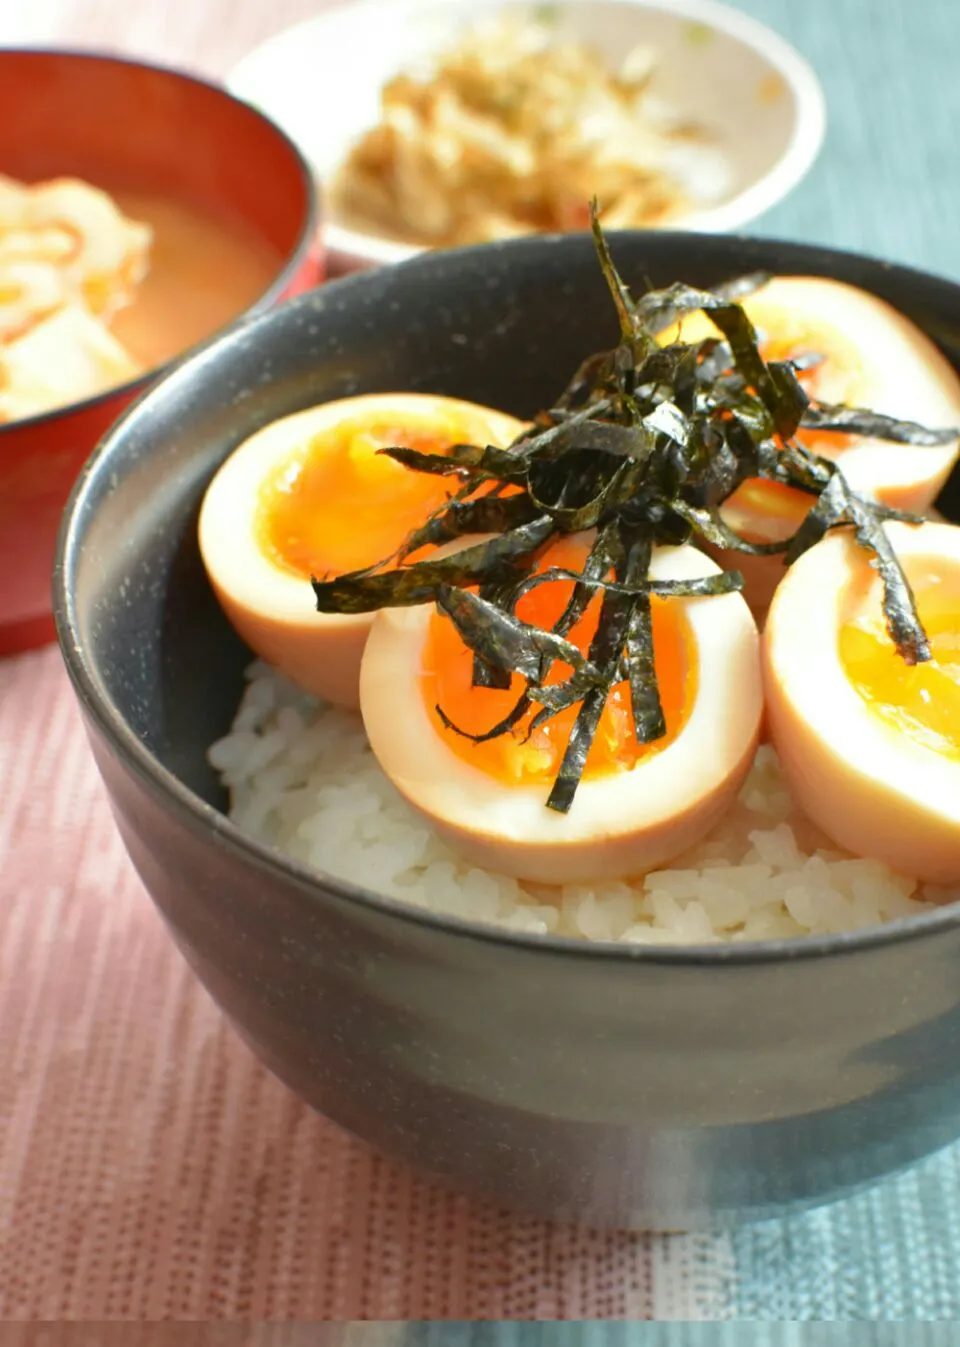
(869, 744)
(872, 357)
(637, 806)
(311, 495)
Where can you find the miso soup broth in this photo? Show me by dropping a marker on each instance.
(100, 284)
(205, 270)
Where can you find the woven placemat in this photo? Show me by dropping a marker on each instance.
(149, 1167)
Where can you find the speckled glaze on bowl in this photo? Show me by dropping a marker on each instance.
(630, 1087)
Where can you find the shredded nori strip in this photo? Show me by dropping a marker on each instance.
(643, 447)
(858, 421)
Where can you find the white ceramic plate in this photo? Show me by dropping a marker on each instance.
(321, 81)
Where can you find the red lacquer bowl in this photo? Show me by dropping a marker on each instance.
(105, 119)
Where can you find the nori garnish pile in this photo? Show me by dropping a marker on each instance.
(643, 446)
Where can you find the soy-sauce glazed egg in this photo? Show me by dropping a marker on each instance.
(636, 805)
(311, 495)
(870, 743)
(870, 356)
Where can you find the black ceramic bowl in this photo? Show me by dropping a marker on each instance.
(635, 1087)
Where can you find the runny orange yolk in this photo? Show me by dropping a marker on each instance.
(338, 504)
(772, 500)
(920, 700)
(514, 759)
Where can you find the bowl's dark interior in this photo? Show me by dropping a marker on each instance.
(504, 325)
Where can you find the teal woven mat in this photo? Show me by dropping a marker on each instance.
(662, 1335)
(888, 179)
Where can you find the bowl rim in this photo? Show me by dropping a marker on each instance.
(309, 230)
(806, 138)
(206, 821)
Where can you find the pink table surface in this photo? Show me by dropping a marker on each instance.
(149, 1167)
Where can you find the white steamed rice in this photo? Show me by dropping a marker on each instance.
(302, 778)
